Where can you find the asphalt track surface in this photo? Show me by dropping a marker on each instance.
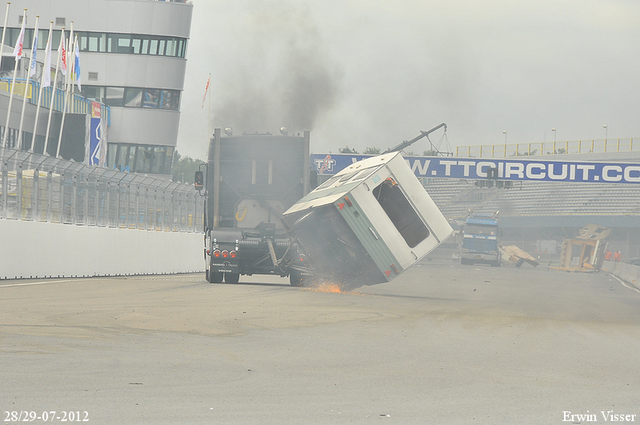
(441, 344)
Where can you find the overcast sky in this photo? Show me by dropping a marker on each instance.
(374, 73)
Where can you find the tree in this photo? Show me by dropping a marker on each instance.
(346, 149)
(184, 168)
(430, 152)
(371, 151)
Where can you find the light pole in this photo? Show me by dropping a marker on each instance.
(606, 131)
(554, 134)
(505, 137)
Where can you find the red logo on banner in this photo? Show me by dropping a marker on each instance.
(95, 110)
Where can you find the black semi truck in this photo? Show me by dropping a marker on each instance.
(251, 180)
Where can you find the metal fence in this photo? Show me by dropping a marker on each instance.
(549, 148)
(36, 187)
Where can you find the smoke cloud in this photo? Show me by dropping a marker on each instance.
(281, 74)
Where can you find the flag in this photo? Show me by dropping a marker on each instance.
(34, 52)
(206, 89)
(63, 53)
(17, 51)
(70, 52)
(75, 73)
(46, 76)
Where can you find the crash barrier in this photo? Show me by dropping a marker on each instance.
(30, 249)
(62, 218)
(549, 148)
(627, 272)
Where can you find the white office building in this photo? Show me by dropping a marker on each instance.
(133, 60)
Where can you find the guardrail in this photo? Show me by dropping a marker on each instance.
(40, 188)
(549, 148)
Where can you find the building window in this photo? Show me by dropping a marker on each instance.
(161, 47)
(106, 42)
(151, 98)
(95, 43)
(92, 92)
(140, 158)
(144, 158)
(153, 47)
(169, 100)
(171, 48)
(132, 97)
(114, 96)
(135, 46)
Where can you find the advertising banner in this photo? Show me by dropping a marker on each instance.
(500, 169)
(97, 142)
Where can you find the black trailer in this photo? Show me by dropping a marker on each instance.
(250, 181)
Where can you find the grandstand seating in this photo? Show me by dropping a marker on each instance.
(456, 197)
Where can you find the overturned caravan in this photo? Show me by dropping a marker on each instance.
(367, 224)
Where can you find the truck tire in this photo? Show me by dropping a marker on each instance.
(232, 277)
(295, 279)
(214, 277)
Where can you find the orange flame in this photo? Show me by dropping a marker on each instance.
(328, 287)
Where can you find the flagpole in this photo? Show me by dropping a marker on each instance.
(53, 95)
(13, 80)
(28, 82)
(209, 110)
(4, 29)
(206, 92)
(4, 33)
(71, 55)
(47, 60)
(66, 93)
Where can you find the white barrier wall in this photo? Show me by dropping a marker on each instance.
(36, 249)
(626, 272)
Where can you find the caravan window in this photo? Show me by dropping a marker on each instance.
(404, 217)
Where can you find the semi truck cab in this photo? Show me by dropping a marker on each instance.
(480, 240)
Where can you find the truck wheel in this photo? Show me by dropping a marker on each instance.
(295, 279)
(214, 277)
(232, 277)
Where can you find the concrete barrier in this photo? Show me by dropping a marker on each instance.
(36, 249)
(627, 272)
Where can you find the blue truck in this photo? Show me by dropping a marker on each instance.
(480, 240)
